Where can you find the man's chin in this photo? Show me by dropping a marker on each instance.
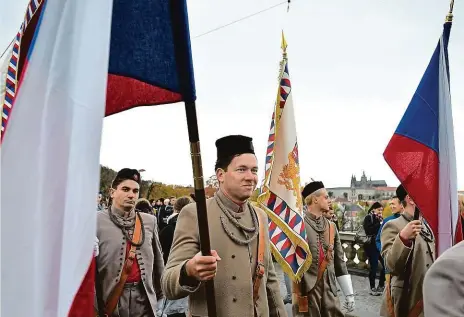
(128, 207)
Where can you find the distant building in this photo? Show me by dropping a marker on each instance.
(364, 189)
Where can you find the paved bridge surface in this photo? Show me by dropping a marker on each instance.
(366, 305)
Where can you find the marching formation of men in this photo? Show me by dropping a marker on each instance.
(137, 277)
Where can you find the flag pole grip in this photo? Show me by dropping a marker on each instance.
(182, 52)
(203, 228)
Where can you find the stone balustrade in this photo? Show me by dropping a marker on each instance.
(354, 255)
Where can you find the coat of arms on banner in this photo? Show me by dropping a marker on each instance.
(290, 176)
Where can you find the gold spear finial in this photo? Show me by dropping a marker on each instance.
(449, 17)
(284, 45)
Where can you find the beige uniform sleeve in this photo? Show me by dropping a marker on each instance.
(443, 286)
(394, 252)
(185, 245)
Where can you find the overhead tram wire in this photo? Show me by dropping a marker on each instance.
(241, 19)
(217, 28)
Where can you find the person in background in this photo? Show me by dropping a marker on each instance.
(144, 206)
(163, 214)
(167, 234)
(172, 200)
(157, 207)
(100, 205)
(330, 215)
(397, 209)
(372, 223)
(177, 307)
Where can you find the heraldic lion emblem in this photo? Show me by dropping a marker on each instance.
(290, 176)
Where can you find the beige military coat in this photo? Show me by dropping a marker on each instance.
(395, 255)
(112, 251)
(444, 284)
(335, 268)
(233, 282)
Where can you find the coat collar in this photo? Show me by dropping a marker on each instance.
(231, 205)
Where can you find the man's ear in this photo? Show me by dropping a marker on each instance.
(111, 191)
(220, 173)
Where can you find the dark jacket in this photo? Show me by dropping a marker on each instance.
(166, 235)
(371, 226)
(163, 215)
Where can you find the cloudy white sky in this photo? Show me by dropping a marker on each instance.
(354, 67)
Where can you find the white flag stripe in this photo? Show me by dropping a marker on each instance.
(50, 160)
(448, 213)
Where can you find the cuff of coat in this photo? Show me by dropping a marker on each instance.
(186, 282)
(407, 243)
(401, 249)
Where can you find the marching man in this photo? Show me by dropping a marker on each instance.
(316, 294)
(245, 280)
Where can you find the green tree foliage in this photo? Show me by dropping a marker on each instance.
(148, 189)
(106, 178)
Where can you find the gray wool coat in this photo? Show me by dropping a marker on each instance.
(112, 251)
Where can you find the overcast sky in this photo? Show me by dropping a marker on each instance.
(354, 66)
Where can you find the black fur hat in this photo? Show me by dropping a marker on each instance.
(125, 174)
(311, 188)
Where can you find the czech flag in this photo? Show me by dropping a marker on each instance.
(149, 47)
(71, 63)
(421, 152)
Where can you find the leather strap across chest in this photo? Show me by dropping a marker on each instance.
(302, 298)
(116, 293)
(260, 268)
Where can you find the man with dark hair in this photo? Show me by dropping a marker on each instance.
(130, 262)
(241, 264)
(316, 294)
(399, 237)
(100, 205)
(396, 208)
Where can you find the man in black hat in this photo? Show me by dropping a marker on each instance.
(130, 262)
(241, 264)
(399, 237)
(316, 294)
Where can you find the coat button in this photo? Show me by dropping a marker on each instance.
(234, 277)
(427, 265)
(233, 256)
(234, 299)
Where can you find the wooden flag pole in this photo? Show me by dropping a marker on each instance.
(181, 37)
(200, 198)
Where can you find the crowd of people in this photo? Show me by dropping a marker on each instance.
(149, 261)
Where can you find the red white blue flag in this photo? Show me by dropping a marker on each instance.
(72, 63)
(421, 152)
